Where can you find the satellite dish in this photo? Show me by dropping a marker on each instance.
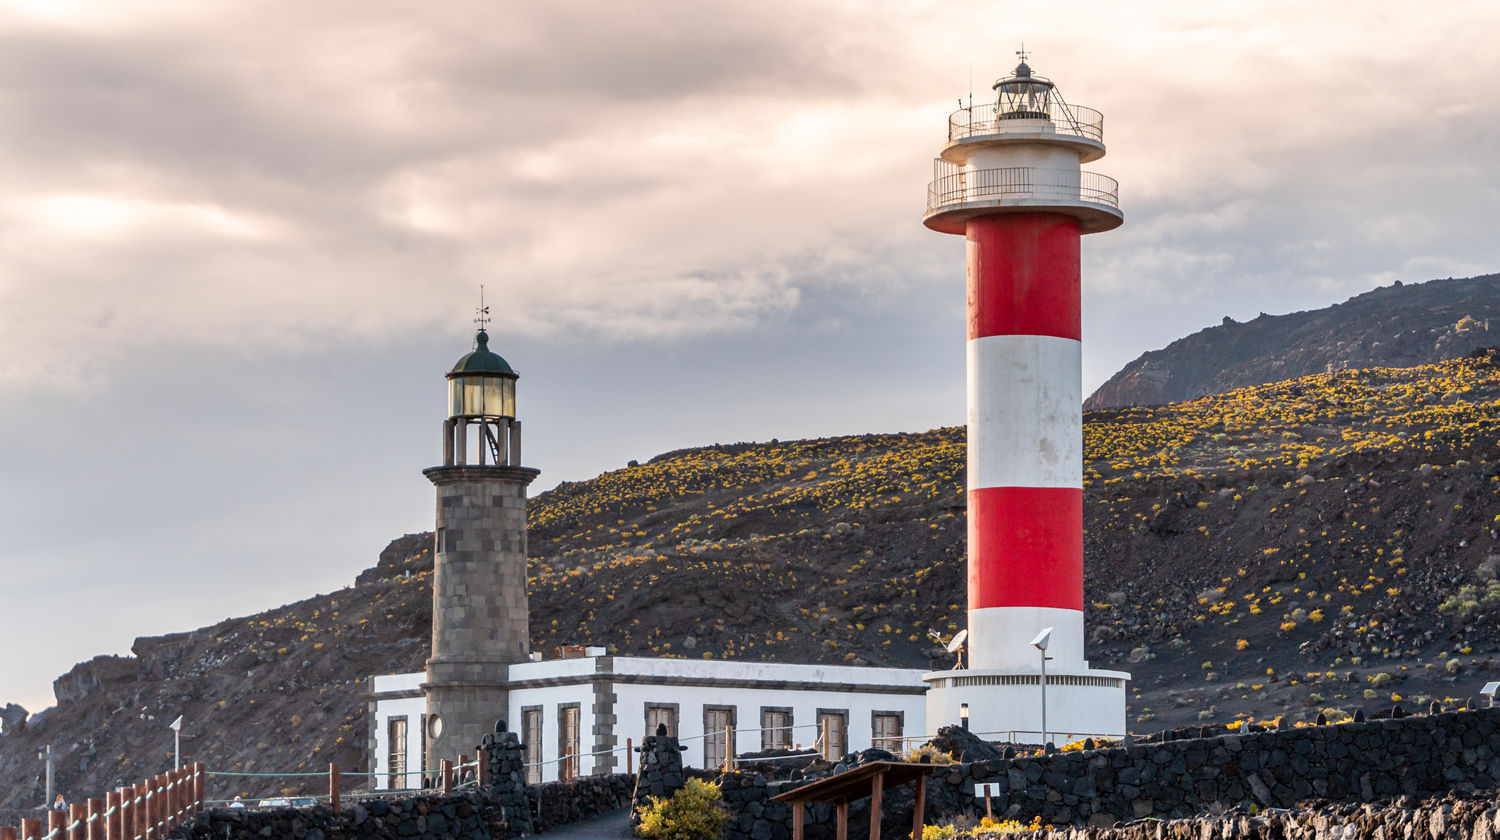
(957, 641)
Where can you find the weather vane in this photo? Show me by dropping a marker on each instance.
(482, 312)
(1022, 52)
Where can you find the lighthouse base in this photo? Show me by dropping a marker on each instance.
(1007, 705)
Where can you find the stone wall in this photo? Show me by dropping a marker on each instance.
(661, 771)
(464, 815)
(1473, 817)
(1362, 762)
(457, 816)
(561, 803)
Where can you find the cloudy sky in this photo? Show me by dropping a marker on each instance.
(241, 241)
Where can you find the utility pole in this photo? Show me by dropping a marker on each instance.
(46, 755)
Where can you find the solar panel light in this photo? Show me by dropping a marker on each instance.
(1490, 690)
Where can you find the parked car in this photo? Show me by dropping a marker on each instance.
(287, 802)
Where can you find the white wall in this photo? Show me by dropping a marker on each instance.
(551, 699)
(388, 707)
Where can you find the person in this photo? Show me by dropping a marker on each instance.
(59, 804)
(239, 802)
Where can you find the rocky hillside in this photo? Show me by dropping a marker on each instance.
(1328, 541)
(1396, 326)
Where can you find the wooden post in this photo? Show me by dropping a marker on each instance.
(131, 828)
(919, 808)
(333, 786)
(482, 762)
(112, 822)
(96, 820)
(31, 829)
(126, 829)
(446, 769)
(629, 758)
(57, 821)
(153, 807)
(78, 821)
(7, 833)
(877, 799)
(989, 807)
(798, 814)
(199, 778)
(842, 823)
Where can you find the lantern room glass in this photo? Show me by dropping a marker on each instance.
(481, 396)
(1024, 98)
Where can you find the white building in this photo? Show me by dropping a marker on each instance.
(579, 716)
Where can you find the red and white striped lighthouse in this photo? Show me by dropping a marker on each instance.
(1010, 180)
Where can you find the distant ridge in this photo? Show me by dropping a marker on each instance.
(1394, 326)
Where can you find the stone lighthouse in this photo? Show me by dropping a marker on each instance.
(479, 609)
(1010, 180)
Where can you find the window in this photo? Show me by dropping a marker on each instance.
(775, 728)
(886, 729)
(661, 713)
(833, 733)
(718, 735)
(395, 741)
(567, 742)
(531, 733)
(423, 757)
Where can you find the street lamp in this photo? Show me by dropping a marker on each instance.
(176, 727)
(963, 715)
(1040, 643)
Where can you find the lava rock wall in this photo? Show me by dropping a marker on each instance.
(1380, 760)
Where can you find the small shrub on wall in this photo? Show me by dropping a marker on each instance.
(693, 813)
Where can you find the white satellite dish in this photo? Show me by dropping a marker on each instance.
(957, 641)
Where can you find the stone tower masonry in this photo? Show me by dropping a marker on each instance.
(479, 608)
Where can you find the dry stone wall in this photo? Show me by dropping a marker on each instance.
(1371, 761)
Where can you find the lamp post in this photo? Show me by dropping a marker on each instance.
(963, 715)
(176, 727)
(1040, 643)
(46, 755)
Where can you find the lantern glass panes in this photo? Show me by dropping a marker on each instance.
(1024, 98)
(481, 396)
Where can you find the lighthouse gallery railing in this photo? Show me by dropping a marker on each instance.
(1066, 119)
(1022, 182)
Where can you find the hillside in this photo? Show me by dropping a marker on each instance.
(1395, 326)
(1324, 541)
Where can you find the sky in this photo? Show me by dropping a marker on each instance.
(241, 242)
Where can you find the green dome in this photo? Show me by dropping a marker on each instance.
(482, 360)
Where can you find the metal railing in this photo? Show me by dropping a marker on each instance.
(1022, 182)
(1076, 120)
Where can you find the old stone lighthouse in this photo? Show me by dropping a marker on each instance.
(479, 609)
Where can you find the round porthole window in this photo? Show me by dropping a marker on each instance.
(434, 727)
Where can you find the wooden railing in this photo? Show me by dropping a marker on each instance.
(146, 811)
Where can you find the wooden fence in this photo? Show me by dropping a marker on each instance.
(146, 811)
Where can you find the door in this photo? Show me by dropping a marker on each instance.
(718, 736)
(531, 731)
(833, 733)
(567, 725)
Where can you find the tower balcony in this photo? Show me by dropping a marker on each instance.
(1077, 126)
(1091, 198)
